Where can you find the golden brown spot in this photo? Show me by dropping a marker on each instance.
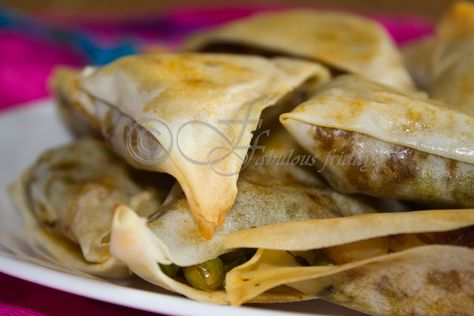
(353, 274)
(322, 100)
(385, 287)
(356, 105)
(193, 82)
(452, 168)
(324, 202)
(448, 281)
(414, 115)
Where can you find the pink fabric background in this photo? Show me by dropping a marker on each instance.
(25, 65)
(22, 298)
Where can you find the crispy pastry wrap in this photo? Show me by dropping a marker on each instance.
(67, 200)
(368, 138)
(381, 264)
(343, 41)
(189, 115)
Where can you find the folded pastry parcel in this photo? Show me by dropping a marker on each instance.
(188, 115)
(343, 41)
(411, 263)
(368, 138)
(444, 63)
(453, 62)
(67, 199)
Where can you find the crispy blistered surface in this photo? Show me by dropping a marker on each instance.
(430, 280)
(197, 107)
(354, 162)
(263, 199)
(344, 41)
(354, 104)
(73, 191)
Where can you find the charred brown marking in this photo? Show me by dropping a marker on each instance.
(328, 291)
(448, 281)
(356, 273)
(395, 168)
(320, 199)
(385, 287)
(335, 289)
(398, 167)
(452, 168)
(329, 136)
(356, 163)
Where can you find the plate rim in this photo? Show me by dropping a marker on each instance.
(113, 293)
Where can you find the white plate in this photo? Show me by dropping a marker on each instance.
(25, 133)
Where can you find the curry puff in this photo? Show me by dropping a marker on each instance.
(347, 43)
(443, 64)
(368, 138)
(188, 109)
(68, 197)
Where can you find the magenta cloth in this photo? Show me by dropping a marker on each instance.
(22, 298)
(25, 64)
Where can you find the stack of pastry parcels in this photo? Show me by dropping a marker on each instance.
(240, 178)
